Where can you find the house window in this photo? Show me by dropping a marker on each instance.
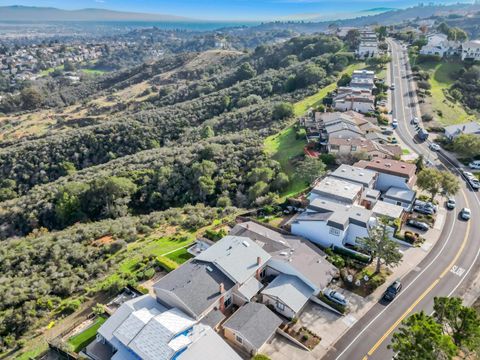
(399, 203)
(334, 231)
(239, 339)
(280, 306)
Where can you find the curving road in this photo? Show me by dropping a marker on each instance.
(448, 268)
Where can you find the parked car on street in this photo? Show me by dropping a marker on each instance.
(474, 183)
(394, 123)
(465, 214)
(392, 87)
(474, 165)
(451, 203)
(392, 291)
(414, 121)
(418, 224)
(434, 147)
(335, 296)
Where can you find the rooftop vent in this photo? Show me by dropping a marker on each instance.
(283, 253)
(209, 268)
(245, 243)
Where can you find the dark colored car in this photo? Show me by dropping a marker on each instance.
(392, 291)
(418, 224)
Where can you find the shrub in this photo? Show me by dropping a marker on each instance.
(427, 117)
(354, 255)
(337, 260)
(260, 357)
(166, 263)
(331, 303)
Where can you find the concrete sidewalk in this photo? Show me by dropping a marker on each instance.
(329, 326)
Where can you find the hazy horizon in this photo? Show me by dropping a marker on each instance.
(236, 10)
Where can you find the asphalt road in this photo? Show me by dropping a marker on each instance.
(448, 268)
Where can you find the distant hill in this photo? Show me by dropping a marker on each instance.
(32, 13)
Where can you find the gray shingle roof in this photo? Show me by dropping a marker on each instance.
(196, 283)
(354, 174)
(404, 195)
(290, 290)
(236, 256)
(255, 322)
(293, 251)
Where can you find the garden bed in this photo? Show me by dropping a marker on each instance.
(359, 285)
(303, 335)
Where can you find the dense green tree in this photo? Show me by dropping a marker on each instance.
(245, 72)
(260, 188)
(353, 39)
(467, 145)
(381, 32)
(31, 98)
(207, 132)
(462, 323)
(381, 246)
(344, 80)
(283, 111)
(310, 169)
(430, 179)
(421, 337)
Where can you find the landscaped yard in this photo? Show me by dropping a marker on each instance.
(180, 256)
(82, 339)
(442, 76)
(285, 146)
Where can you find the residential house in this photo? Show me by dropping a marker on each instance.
(471, 50)
(251, 327)
(350, 98)
(452, 131)
(337, 191)
(368, 46)
(144, 329)
(439, 45)
(388, 210)
(349, 124)
(223, 274)
(292, 255)
(372, 149)
(356, 175)
(326, 223)
(363, 79)
(391, 173)
(400, 196)
(287, 294)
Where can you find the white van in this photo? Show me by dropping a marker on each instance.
(474, 164)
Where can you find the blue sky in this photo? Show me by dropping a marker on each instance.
(230, 9)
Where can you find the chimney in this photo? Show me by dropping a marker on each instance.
(221, 288)
(259, 260)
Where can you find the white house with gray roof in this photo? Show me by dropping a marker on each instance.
(144, 329)
(356, 175)
(326, 223)
(336, 190)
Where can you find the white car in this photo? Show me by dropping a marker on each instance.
(465, 214)
(434, 147)
(474, 165)
(415, 121)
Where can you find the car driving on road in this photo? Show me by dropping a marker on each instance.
(465, 214)
(451, 204)
(335, 296)
(392, 291)
(418, 224)
(434, 147)
(474, 183)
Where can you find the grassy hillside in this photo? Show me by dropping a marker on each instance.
(442, 76)
(285, 146)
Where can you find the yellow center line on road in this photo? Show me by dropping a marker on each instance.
(430, 288)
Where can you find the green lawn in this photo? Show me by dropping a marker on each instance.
(180, 256)
(95, 72)
(442, 76)
(284, 146)
(79, 341)
(302, 106)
